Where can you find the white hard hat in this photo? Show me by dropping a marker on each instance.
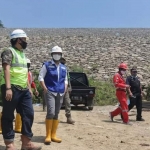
(56, 49)
(18, 33)
(28, 60)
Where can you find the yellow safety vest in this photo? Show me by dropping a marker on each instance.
(18, 69)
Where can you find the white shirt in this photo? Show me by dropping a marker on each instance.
(43, 72)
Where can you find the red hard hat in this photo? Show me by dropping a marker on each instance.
(123, 66)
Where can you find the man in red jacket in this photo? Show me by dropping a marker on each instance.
(121, 88)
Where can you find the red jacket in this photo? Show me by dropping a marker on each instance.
(119, 82)
(31, 80)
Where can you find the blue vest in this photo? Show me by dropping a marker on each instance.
(51, 77)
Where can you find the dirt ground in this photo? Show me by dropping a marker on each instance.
(93, 130)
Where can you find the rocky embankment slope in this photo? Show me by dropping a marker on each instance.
(98, 51)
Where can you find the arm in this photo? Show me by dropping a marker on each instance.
(7, 57)
(117, 84)
(29, 86)
(9, 93)
(142, 93)
(66, 83)
(41, 77)
(33, 86)
(69, 83)
(6, 69)
(128, 89)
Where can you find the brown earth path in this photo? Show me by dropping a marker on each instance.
(93, 130)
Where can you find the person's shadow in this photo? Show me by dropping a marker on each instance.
(38, 139)
(77, 108)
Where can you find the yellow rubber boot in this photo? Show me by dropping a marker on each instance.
(18, 123)
(48, 123)
(54, 129)
(0, 123)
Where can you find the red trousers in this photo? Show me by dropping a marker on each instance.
(123, 108)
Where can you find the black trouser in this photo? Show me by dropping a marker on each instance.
(138, 102)
(21, 101)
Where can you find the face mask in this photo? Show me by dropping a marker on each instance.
(123, 72)
(56, 57)
(23, 44)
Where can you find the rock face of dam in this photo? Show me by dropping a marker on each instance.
(98, 51)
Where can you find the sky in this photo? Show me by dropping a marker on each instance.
(75, 13)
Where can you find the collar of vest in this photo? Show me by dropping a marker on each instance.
(16, 59)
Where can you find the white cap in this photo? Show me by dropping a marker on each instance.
(56, 49)
(18, 33)
(28, 60)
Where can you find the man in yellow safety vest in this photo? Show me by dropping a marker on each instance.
(16, 92)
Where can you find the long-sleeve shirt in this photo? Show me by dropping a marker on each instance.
(119, 82)
(43, 72)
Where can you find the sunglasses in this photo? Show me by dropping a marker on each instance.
(123, 69)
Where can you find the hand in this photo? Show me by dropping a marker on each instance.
(31, 92)
(127, 86)
(69, 89)
(45, 90)
(9, 94)
(130, 94)
(36, 93)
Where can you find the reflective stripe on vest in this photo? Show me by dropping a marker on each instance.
(16, 64)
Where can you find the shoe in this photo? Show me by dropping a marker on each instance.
(28, 145)
(70, 121)
(111, 117)
(140, 119)
(9, 145)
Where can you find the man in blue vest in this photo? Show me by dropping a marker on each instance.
(16, 92)
(53, 79)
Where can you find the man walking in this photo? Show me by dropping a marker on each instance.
(16, 92)
(121, 87)
(67, 100)
(53, 79)
(135, 93)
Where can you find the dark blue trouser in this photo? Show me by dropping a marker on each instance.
(21, 101)
(138, 102)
